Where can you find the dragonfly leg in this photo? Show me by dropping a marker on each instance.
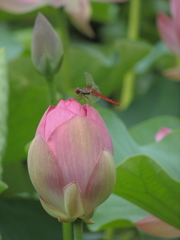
(88, 99)
(80, 97)
(84, 97)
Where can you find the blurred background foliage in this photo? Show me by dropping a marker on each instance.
(154, 103)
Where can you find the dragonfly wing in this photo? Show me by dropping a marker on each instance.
(89, 79)
(93, 98)
(96, 88)
(90, 82)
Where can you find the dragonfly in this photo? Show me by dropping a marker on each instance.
(91, 91)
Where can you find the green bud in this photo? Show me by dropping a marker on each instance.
(47, 48)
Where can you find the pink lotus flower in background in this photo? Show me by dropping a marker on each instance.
(154, 226)
(70, 161)
(169, 28)
(23, 6)
(79, 10)
(162, 133)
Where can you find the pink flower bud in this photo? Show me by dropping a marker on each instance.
(155, 226)
(47, 49)
(169, 28)
(70, 161)
(162, 133)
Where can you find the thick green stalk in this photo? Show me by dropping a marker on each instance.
(134, 16)
(78, 229)
(108, 234)
(67, 231)
(132, 33)
(178, 61)
(52, 90)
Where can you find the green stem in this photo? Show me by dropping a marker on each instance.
(132, 33)
(52, 90)
(178, 61)
(78, 229)
(134, 16)
(67, 231)
(108, 234)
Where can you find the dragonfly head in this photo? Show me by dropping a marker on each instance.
(77, 90)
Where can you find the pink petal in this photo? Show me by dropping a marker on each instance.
(42, 124)
(93, 114)
(21, 6)
(73, 106)
(102, 181)
(80, 12)
(175, 8)
(154, 226)
(79, 7)
(162, 133)
(77, 144)
(82, 25)
(45, 173)
(168, 33)
(57, 3)
(55, 118)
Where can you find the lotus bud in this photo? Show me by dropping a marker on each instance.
(70, 161)
(47, 49)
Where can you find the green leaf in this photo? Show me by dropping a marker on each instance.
(116, 212)
(146, 63)
(28, 101)
(166, 152)
(104, 12)
(131, 52)
(12, 46)
(141, 180)
(163, 155)
(3, 109)
(25, 219)
(161, 99)
(3, 186)
(16, 175)
(144, 133)
(124, 145)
